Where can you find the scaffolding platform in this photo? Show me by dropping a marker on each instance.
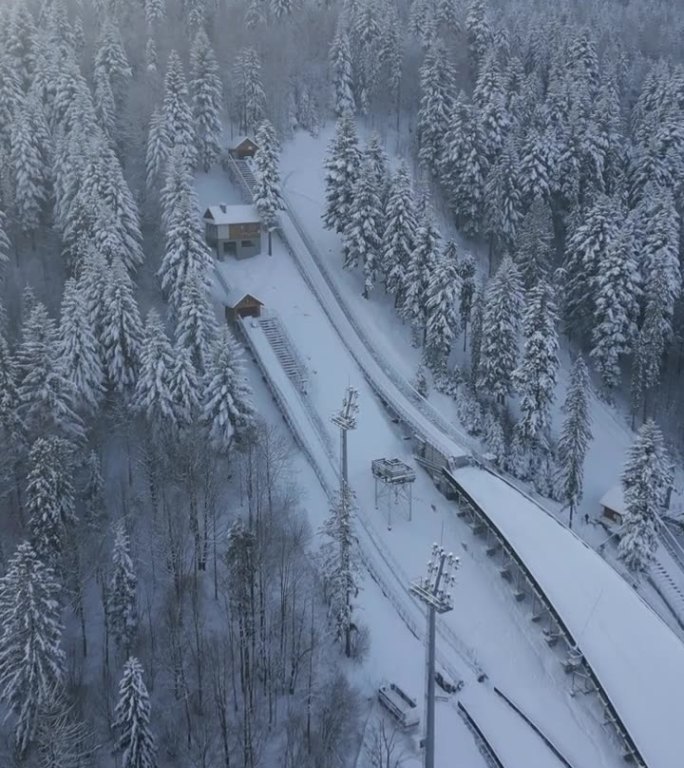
(393, 481)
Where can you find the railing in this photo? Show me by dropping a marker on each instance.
(483, 745)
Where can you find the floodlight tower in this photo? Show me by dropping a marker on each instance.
(345, 419)
(435, 591)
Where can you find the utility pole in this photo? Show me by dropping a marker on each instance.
(435, 591)
(345, 419)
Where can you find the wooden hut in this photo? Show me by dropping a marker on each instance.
(242, 304)
(243, 147)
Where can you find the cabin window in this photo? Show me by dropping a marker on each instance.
(229, 248)
(247, 243)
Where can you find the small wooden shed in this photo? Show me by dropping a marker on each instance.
(243, 147)
(613, 505)
(242, 304)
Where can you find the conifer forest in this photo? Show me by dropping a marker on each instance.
(496, 188)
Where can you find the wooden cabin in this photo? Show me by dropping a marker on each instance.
(241, 304)
(243, 147)
(613, 505)
(233, 230)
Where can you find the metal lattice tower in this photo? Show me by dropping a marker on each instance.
(435, 591)
(345, 419)
(393, 483)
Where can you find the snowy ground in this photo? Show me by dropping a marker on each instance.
(487, 621)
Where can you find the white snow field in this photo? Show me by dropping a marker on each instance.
(508, 647)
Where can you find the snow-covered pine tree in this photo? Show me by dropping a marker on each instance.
(121, 329)
(186, 252)
(157, 149)
(492, 112)
(503, 203)
(79, 350)
(122, 609)
(4, 247)
(151, 57)
(535, 377)
(478, 32)
(250, 95)
(533, 251)
(196, 322)
(178, 184)
(154, 11)
(11, 99)
(282, 8)
(207, 97)
(29, 172)
(184, 385)
(377, 157)
(21, 41)
(595, 230)
(267, 197)
(362, 234)
(436, 88)
(50, 497)
(341, 66)
(152, 390)
(110, 56)
(616, 288)
(575, 436)
(465, 266)
(419, 271)
(500, 327)
(494, 437)
(442, 311)
(31, 659)
(227, 407)
(341, 172)
(46, 397)
(132, 719)
(646, 479)
(476, 319)
(105, 106)
(180, 127)
(93, 492)
(340, 565)
(534, 172)
(399, 237)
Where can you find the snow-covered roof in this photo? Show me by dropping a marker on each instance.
(235, 295)
(614, 499)
(232, 214)
(242, 139)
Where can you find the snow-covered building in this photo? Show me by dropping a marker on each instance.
(243, 147)
(233, 230)
(613, 504)
(242, 304)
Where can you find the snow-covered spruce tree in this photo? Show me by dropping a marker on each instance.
(154, 11)
(79, 352)
(46, 397)
(341, 67)
(152, 395)
(362, 234)
(227, 407)
(590, 238)
(479, 33)
(442, 310)
(494, 437)
(21, 41)
(93, 492)
(151, 57)
(158, 144)
(11, 98)
(463, 167)
(616, 289)
(178, 119)
(196, 321)
(250, 96)
(465, 267)
(207, 96)
(184, 385)
(91, 285)
(4, 247)
(267, 196)
(399, 237)
(341, 172)
(282, 8)
(29, 171)
(122, 609)
(132, 719)
(646, 480)
(105, 106)
(31, 658)
(436, 84)
(178, 183)
(377, 157)
(534, 245)
(11, 426)
(50, 498)
(503, 204)
(500, 327)
(110, 56)
(186, 252)
(121, 329)
(492, 112)
(419, 271)
(535, 377)
(534, 171)
(476, 319)
(420, 381)
(340, 566)
(575, 436)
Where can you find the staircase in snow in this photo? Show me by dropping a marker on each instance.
(284, 350)
(242, 170)
(669, 588)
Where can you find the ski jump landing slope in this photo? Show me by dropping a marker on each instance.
(638, 660)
